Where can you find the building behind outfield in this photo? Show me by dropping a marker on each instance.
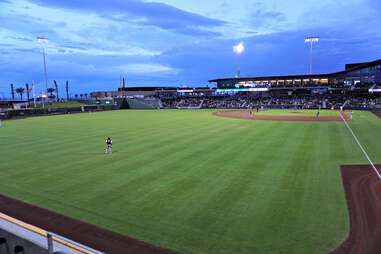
(358, 79)
(354, 74)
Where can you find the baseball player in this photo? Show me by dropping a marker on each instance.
(108, 145)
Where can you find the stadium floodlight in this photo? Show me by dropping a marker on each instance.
(44, 41)
(239, 48)
(44, 96)
(311, 40)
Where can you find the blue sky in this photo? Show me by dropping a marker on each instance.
(172, 42)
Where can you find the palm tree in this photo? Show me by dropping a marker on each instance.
(86, 95)
(67, 90)
(50, 90)
(76, 96)
(20, 91)
(13, 92)
(27, 91)
(55, 84)
(81, 95)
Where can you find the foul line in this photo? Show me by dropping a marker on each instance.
(361, 147)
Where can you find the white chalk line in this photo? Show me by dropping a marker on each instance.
(361, 147)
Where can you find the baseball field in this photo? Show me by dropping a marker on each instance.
(190, 181)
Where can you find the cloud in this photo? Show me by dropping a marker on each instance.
(129, 51)
(266, 18)
(145, 68)
(146, 13)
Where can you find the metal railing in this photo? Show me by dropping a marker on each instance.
(51, 237)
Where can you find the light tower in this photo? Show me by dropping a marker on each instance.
(44, 41)
(239, 48)
(311, 40)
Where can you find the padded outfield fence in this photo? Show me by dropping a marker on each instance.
(91, 106)
(20, 113)
(52, 242)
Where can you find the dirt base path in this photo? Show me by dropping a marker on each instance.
(89, 235)
(245, 114)
(377, 113)
(363, 194)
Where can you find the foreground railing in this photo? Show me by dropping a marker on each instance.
(51, 238)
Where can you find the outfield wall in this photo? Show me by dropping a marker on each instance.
(10, 242)
(33, 240)
(20, 113)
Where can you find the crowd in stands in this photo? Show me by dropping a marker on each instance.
(364, 103)
(244, 101)
(169, 102)
(310, 85)
(224, 102)
(190, 103)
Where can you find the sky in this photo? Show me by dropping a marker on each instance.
(178, 42)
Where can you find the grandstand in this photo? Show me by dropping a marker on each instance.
(357, 87)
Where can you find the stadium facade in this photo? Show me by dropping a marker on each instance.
(354, 74)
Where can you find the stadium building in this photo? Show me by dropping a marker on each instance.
(358, 86)
(356, 75)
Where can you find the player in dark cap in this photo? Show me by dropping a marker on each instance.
(108, 145)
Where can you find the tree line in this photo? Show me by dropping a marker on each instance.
(27, 89)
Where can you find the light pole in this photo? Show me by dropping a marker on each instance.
(311, 40)
(43, 41)
(43, 100)
(239, 48)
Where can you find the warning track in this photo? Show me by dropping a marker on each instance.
(81, 232)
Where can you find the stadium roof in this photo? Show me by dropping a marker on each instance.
(318, 76)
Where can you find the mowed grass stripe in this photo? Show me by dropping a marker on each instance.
(173, 169)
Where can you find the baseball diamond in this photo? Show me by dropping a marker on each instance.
(191, 182)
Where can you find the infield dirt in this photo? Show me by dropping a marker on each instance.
(244, 114)
(377, 113)
(363, 193)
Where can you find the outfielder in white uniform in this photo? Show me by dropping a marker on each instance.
(108, 145)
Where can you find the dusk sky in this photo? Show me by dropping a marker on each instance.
(172, 42)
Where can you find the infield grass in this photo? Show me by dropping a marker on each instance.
(190, 181)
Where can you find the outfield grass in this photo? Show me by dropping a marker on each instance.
(190, 181)
(299, 112)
